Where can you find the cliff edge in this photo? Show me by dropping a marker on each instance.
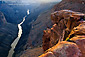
(75, 5)
(67, 36)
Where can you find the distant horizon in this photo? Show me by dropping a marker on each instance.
(32, 1)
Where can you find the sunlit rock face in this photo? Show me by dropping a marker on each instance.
(79, 37)
(75, 48)
(64, 21)
(67, 36)
(63, 49)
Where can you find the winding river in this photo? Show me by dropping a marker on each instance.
(13, 45)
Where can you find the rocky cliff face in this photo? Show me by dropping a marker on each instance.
(64, 39)
(75, 5)
(2, 19)
(42, 22)
(8, 32)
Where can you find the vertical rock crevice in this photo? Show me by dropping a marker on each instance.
(66, 35)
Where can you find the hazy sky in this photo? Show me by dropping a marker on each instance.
(40, 0)
(34, 0)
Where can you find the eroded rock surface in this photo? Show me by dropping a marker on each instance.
(67, 36)
(63, 49)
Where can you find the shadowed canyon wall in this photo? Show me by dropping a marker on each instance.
(8, 32)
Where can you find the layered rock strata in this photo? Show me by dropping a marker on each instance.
(8, 32)
(64, 39)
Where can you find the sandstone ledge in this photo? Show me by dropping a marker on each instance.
(67, 36)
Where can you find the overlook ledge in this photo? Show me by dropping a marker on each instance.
(66, 38)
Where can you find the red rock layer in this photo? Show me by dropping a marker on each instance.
(67, 36)
(63, 49)
(64, 21)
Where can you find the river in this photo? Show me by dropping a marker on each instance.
(13, 45)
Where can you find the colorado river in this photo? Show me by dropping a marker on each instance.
(13, 45)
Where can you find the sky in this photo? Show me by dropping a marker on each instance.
(40, 0)
(26, 1)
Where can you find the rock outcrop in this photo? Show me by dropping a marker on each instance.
(64, 21)
(63, 49)
(67, 36)
(2, 19)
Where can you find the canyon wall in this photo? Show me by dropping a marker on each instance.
(70, 5)
(8, 32)
(74, 5)
(30, 37)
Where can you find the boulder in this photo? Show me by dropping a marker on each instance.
(63, 49)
